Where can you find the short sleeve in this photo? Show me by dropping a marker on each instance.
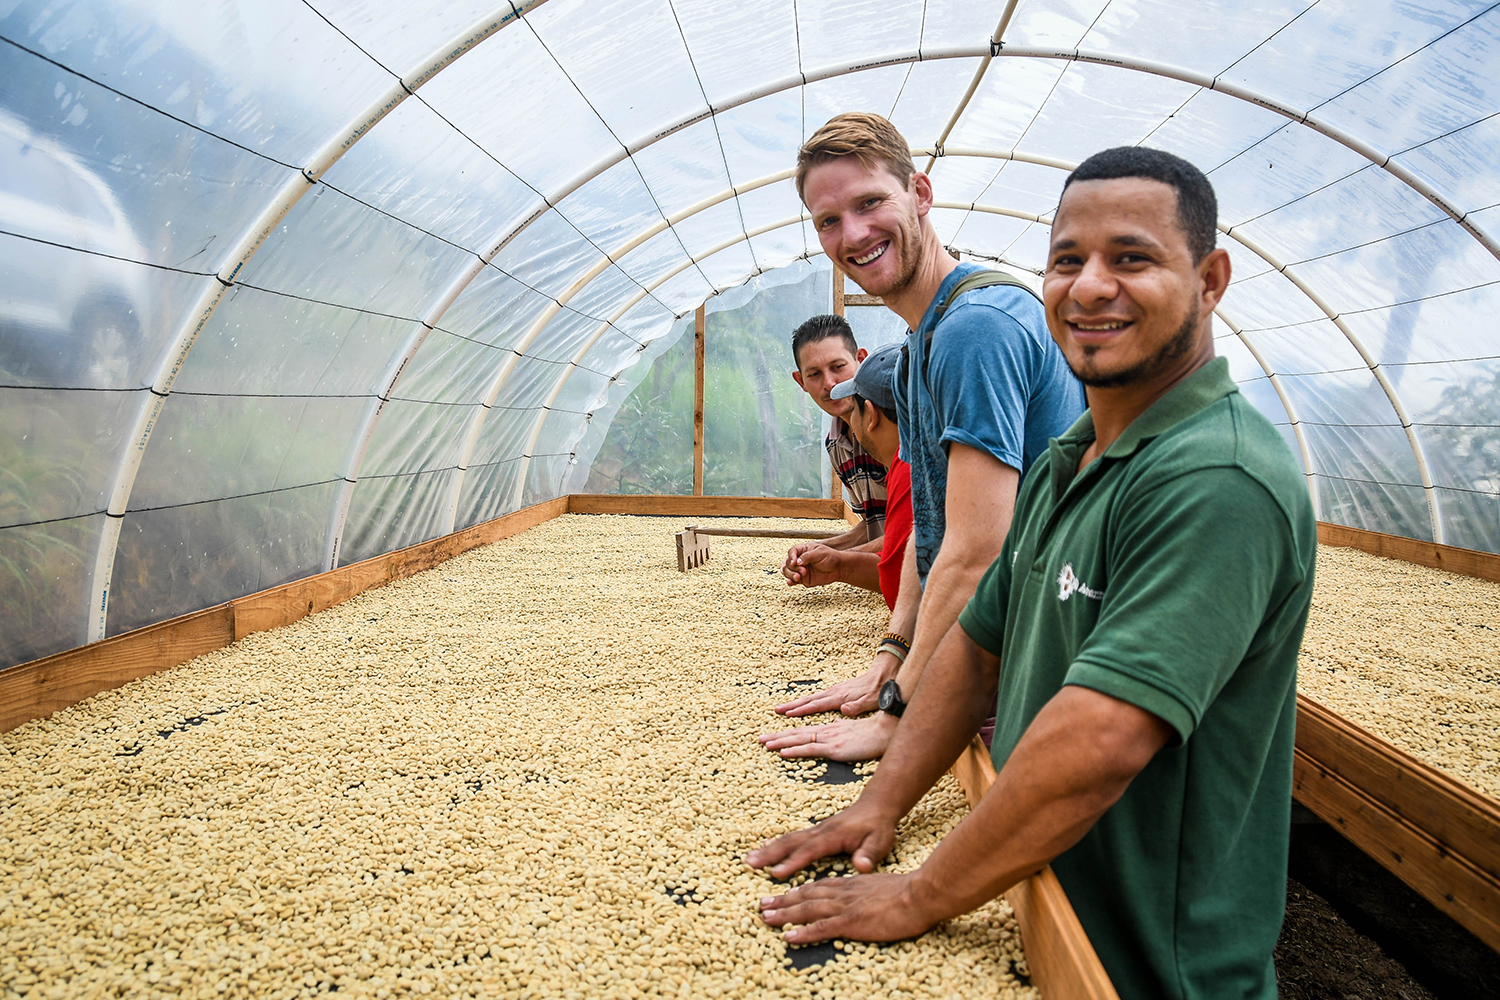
(983, 618)
(980, 375)
(1195, 567)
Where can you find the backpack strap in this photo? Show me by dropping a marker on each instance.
(982, 278)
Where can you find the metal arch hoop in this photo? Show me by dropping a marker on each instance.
(545, 408)
(128, 466)
(129, 463)
(1074, 55)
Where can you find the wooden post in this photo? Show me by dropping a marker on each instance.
(699, 325)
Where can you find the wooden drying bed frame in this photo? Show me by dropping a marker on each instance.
(1062, 962)
(1439, 836)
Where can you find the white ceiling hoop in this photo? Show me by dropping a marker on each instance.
(984, 64)
(128, 465)
(994, 49)
(360, 441)
(1419, 454)
(476, 422)
(573, 365)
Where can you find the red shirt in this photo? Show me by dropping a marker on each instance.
(897, 528)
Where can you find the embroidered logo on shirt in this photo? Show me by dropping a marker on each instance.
(1068, 583)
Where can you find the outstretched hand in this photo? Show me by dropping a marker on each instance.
(811, 564)
(859, 831)
(856, 696)
(861, 908)
(852, 739)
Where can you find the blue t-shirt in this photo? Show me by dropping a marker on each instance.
(991, 379)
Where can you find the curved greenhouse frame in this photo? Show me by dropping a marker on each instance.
(294, 284)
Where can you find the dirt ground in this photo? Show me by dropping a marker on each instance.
(1320, 957)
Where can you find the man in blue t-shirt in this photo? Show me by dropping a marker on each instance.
(981, 391)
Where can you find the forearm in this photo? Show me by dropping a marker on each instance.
(862, 569)
(939, 722)
(954, 576)
(855, 539)
(1074, 762)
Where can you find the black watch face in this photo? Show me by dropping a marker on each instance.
(890, 698)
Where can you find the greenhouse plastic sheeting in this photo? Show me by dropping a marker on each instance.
(288, 284)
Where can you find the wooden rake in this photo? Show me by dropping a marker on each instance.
(692, 541)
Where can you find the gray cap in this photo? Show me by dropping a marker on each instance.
(874, 380)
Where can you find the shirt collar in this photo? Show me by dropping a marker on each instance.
(1198, 391)
(1207, 385)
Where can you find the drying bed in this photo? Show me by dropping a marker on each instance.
(1413, 655)
(529, 771)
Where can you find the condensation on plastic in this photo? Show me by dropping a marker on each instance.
(449, 369)
(208, 447)
(107, 175)
(55, 448)
(526, 137)
(487, 491)
(270, 75)
(495, 308)
(261, 342)
(415, 437)
(47, 576)
(462, 204)
(182, 559)
(615, 206)
(403, 36)
(581, 34)
(391, 512)
(548, 254)
(81, 320)
(503, 438)
(333, 249)
(1181, 41)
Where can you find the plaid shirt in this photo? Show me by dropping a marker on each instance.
(862, 476)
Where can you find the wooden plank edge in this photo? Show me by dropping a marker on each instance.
(668, 505)
(1451, 813)
(39, 688)
(1443, 878)
(1467, 562)
(850, 518)
(1064, 965)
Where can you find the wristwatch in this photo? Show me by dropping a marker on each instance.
(890, 698)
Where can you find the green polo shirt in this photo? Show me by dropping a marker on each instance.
(1173, 573)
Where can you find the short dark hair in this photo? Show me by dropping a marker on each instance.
(860, 401)
(821, 328)
(1197, 206)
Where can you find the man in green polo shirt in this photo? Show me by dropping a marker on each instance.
(1148, 607)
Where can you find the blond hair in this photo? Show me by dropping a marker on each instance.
(867, 137)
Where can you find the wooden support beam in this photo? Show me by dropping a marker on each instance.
(658, 505)
(1469, 562)
(1064, 965)
(700, 327)
(838, 292)
(863, 300)
(37, 689)
(1436, 834)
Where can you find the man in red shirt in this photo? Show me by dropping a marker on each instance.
(873, 422)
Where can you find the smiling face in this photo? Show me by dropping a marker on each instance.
(868, 222)
(1125, 301)
(823, 364)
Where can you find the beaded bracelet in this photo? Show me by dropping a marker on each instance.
(891, 637)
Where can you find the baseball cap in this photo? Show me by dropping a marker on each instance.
(874, 379)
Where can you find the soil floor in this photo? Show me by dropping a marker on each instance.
(1321, 957)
